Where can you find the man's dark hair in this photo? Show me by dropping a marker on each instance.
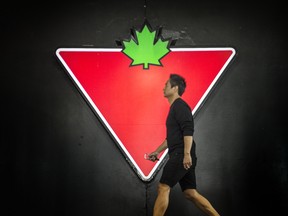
(177, 80)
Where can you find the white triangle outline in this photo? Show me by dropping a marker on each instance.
(126, 152)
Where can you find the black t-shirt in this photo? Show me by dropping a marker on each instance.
(179, 123)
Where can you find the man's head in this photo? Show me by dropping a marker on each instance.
(174, 86)
(177, 80)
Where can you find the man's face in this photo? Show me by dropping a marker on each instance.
(167, 90)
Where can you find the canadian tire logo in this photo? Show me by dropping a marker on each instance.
(125, 91)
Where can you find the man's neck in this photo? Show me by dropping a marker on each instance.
(172, 99)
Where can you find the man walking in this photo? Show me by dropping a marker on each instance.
(180, 168)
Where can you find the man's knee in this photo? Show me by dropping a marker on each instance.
(191, 194)
(163, 188)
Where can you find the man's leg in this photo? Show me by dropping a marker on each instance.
(201, 202)
(162, 200)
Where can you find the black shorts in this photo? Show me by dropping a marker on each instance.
(174, 172)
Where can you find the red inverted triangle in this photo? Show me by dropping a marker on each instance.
(130, 100)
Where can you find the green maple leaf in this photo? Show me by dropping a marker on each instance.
(146, 49)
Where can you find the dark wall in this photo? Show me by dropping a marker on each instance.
(56, 157)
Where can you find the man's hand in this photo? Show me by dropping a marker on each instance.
(187, 161)
(152, 156)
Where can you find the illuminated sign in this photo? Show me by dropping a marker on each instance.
(129, 98)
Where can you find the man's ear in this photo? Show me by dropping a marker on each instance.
(176, 87)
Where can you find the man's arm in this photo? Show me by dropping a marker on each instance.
(187, 160)
(154, 155)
